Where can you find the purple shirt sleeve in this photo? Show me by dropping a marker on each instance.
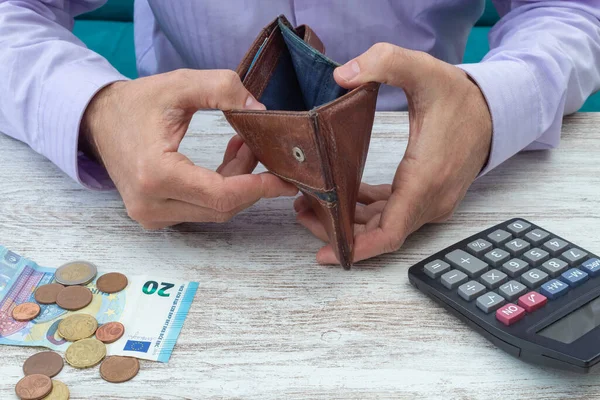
(543, 64)
(50, 76)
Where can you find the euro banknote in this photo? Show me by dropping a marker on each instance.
(151, 308)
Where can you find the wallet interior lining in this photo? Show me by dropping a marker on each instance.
(303, 77)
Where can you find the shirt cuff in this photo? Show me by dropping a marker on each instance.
(64, 100)
(513, 99)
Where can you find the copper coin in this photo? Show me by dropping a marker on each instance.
(117, 369)
(74, 297)
(46, 294)
(112, 282)
(33, 387)
(46, 363)
(110, 332)
(26, 311)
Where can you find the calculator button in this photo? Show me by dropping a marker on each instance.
(591, 266)
(516, 247)
(515, 267)
(436, 268)
(492, 279)
(453, 278)
(489, 302)
(499, 237)
(470, 290)
(574, 256)
(554, 289)
(534, 278)
(518, 228)
(554, 267)
(496, 257)
(479, 247)
(574, 277)
(537, 236)
(555, 246)
(536, 256)
(509, 314)
(467, 263)
(532, 301)
(512, 290)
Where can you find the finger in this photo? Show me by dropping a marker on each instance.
(326, 255)
(309, 220)
(301, 204)
(243, 162)
(368, 194)
(234, 145)
(385, 63)
(154, 226)
(364, 214)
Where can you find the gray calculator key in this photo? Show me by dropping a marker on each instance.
(479, 246)
(470, 290)
(537, 236)
(496, 257)
(554, 267)
(453, 278)
(574, 256)
(489, 302)
(493, 278)
(436, 268)
(515, 267)
(534, 278)
(518, 228)
(516, 247)
(499, 237)
(555, 246)
(536, 256)
(466, 262)
(512, 290)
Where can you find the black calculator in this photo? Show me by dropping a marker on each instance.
(531, 292)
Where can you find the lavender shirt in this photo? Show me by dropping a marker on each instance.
(544, 59)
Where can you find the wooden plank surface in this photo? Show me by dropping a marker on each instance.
(268, 322)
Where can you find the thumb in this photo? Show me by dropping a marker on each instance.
(384, 63)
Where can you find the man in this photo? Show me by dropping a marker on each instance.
(70, 105)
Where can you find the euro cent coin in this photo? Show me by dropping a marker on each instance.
(26, 312)
(77, 326)
(74, 298)
(76, 273)
(46, 363)
(46, 294)
(112, 282)
(33, 387)
(110, 332)
(60, 391)
(117, 369)
(85, 353)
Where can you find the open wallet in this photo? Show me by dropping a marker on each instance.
(314, 133)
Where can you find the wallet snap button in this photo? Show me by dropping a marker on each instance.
(298, 154)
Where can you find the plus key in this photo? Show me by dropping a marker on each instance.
(532, 301)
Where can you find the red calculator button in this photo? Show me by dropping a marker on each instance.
(509, 314)
(532, 301)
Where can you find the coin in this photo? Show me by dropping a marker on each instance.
(60, 391)
(46, 294)
(85, 353)
(77, 326)
(117, 369)
(74, 297)
(110, 332)
(76, 273)
(46, 363)
(25, 312)
(112, 282)
(33, 387)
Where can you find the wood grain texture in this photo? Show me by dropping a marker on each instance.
(268, 322)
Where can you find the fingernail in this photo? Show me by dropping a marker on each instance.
(349, 71)
(253, 104)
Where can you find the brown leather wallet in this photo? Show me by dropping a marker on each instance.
(314, 133)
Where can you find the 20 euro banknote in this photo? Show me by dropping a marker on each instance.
(152, 309)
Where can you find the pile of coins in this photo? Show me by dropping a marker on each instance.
(85, 351)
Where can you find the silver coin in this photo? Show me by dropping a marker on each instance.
(76, 273)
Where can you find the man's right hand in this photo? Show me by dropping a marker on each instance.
(135, 127)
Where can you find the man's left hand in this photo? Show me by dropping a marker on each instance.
(449, 143)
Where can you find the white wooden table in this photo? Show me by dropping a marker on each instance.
(268, 322)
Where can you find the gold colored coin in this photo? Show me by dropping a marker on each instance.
(85, 353)
(60, 391)
(77, 326)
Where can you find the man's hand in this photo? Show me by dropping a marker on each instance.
(450, 139)
(134, 129)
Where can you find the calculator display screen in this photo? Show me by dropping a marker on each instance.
(576, 324)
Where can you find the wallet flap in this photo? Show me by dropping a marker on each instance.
(311, 38)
